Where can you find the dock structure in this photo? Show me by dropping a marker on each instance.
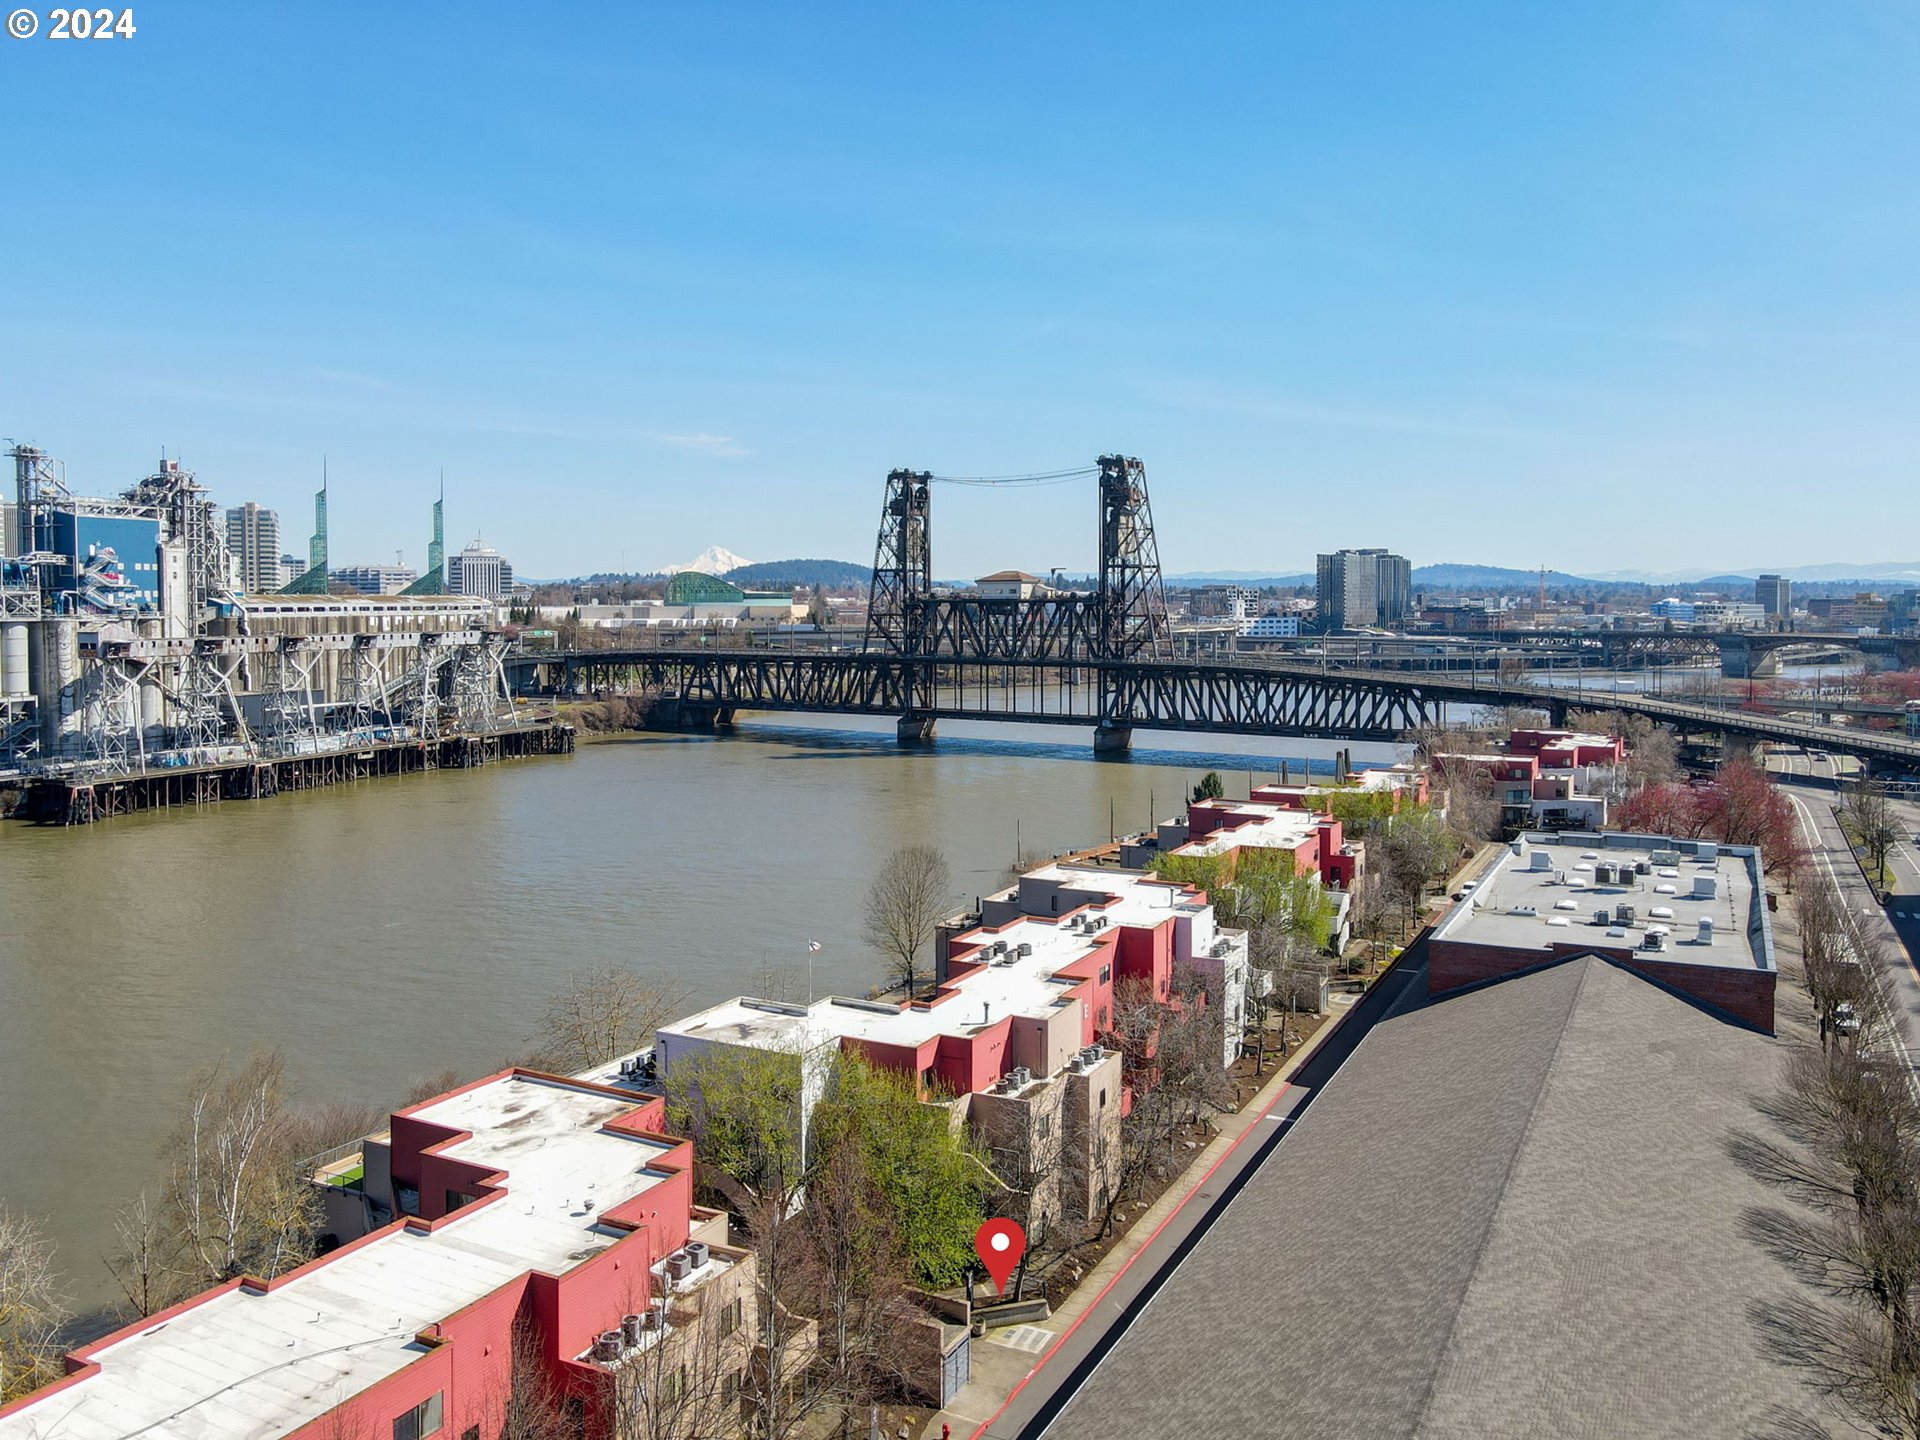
(80, 798)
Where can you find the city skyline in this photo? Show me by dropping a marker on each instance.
(703, 280)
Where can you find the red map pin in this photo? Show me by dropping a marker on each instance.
(1000, 1244)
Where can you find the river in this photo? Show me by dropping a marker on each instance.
(381, 932)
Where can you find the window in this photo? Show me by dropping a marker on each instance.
(673, 1389)
(1102, 1020)
(1054, 901)
(730, 1317)
(730, 1386)
(1042, 1126)
(1103, 1097)
(1106, 974)
(407, 1197)
(455, 1199)
(472, 1432)
(419, 1422)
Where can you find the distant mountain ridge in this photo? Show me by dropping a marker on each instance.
(832, 574)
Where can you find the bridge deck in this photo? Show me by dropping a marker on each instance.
(1249, 697)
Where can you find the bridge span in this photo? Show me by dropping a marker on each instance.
(699, 687)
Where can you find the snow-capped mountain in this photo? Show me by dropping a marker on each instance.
(714, 560)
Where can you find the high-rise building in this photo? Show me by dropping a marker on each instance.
(1357, 588)
(479, 570)
(1774, 595)
(253, 538)
(377, 579)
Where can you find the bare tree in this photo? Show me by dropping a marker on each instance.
(147, 1262)
(851, 1274)
(32, 1308)
(906, 901)
(603, 1013)
(1845, 1146)
(1872, 817)
(233, 1198)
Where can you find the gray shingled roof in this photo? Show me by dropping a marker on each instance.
(1511, 1214)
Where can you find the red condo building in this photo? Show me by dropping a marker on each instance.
(527, 1205)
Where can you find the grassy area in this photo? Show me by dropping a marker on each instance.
(349, 1179)
(1883, 882)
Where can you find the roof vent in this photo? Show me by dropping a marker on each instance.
(1706, 930)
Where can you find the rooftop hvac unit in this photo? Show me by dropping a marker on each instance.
(1704, 886)
(1706, 930)
(606, 1345)
(1540, 860)
(1022, 1077)
(679, 1266)
(1654, 940)
(697, 1252)
(631, 1327)
(1624, 914)
(1603, 916)
(1023, 950)
(1642, 867)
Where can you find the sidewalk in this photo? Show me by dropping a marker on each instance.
(1004, 1360)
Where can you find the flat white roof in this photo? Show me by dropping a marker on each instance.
(1134, 896)
(1271, 826)
(249, 1366)
(1522, 908)
(1030, 985)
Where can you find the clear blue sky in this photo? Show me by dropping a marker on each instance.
(1602, 286)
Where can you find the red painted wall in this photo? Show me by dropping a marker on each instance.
(1745, 994)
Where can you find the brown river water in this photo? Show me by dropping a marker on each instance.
(382, 932)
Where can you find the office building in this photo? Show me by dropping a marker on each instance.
(480, 571)
(1360, 588)
(253, 539)
(377, 579)
(1774, 595)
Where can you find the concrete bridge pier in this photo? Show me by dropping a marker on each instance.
(673, 713)
(914, 730)
(1113, 741)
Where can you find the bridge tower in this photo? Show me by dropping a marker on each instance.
(902, 584)
(1133, 607)
(902, 565)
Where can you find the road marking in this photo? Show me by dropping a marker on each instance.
(1029, 1338)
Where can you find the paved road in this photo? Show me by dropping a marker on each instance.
(1899, 923)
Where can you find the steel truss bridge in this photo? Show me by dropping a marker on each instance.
(702, 687)
(1099, 657)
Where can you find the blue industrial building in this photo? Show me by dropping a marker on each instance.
(84, 538)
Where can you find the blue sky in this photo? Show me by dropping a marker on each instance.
(1601, 286)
